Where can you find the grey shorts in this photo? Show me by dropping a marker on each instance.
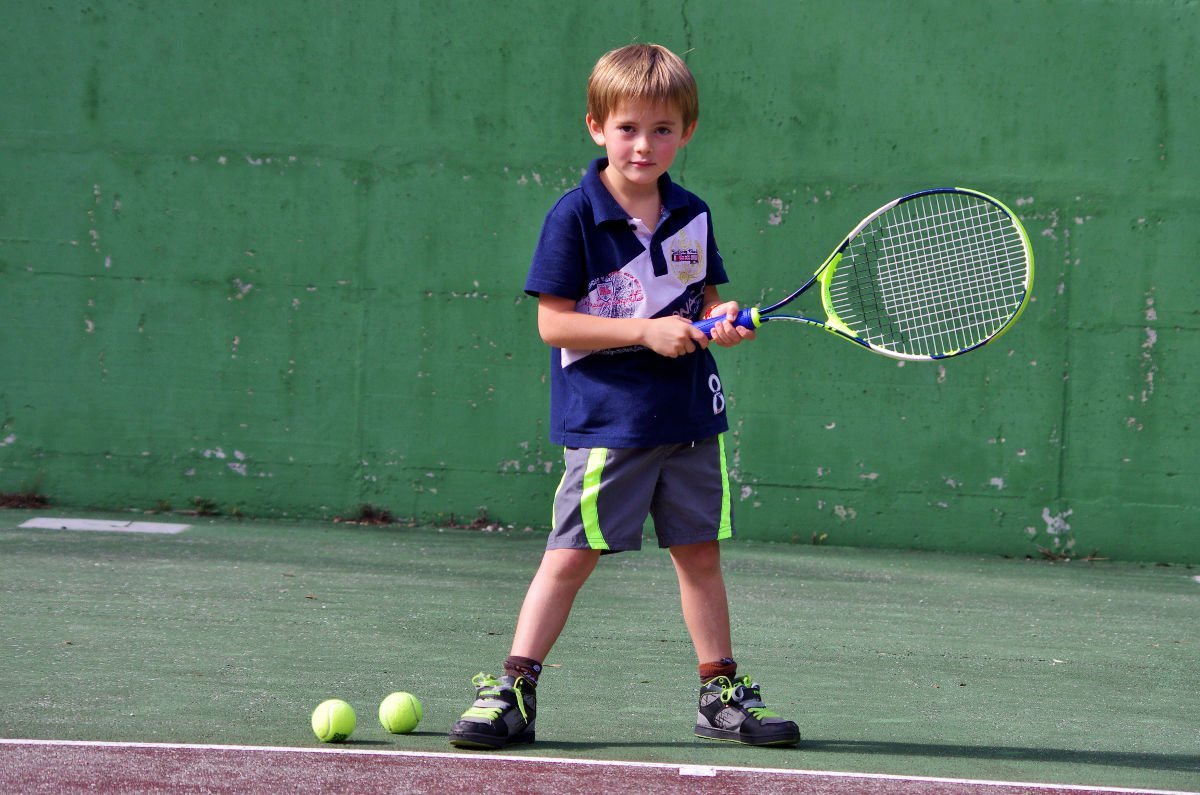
(606, 494)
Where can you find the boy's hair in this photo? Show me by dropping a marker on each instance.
(639, 72)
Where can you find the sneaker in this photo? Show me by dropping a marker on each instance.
(502, 714)
(733, 710)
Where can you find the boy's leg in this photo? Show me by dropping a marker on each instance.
(693, 513)
(702, 596)
(549, 599)
(601, 504)
(505, 709)
(730, 708)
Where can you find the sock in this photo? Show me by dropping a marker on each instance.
(722, 667)
(523, 666)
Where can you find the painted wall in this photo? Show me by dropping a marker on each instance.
(267, 257)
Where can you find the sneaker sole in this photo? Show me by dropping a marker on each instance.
(723, 735)
(486, 742)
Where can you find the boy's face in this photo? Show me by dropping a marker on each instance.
(641, 139)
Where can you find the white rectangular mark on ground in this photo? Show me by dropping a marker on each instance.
(104, 525)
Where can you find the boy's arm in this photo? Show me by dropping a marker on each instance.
(561, 326)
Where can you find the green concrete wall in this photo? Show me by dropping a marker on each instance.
(267, 257)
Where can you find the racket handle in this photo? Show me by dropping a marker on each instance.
(747, 318)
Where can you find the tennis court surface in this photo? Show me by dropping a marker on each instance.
(189, 661)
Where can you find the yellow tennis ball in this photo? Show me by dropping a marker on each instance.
(400, 713)
(333, 721)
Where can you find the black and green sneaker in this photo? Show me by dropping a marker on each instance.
(503, 714)
(733, 710)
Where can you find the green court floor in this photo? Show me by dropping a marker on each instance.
(892, 662)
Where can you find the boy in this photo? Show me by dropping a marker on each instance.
(625, 263)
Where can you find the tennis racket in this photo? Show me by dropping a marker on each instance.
(930, 275)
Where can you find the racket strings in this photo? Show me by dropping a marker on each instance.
(967, 302)
(931, 276)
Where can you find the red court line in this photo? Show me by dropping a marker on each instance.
(32, 766)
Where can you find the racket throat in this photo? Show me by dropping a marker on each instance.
(833, 321)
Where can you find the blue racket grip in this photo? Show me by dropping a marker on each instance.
(747, 318)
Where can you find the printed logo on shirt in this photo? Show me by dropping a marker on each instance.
(685, 257)
(616, 294)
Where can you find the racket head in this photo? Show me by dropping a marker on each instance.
(930, 275)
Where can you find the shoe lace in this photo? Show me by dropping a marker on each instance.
(488, 686)
(484, 680)
(745, 693)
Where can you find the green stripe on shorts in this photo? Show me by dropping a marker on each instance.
(588, 500)
(726, 528)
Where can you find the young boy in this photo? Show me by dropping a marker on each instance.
(625, 263)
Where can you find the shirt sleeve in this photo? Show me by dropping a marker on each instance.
(558, 265)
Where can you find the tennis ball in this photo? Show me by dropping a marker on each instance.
(400, 713)
(333, 721)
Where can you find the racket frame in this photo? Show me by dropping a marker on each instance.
(754, 317)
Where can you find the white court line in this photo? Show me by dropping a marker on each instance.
(683, 770)
(104, 525)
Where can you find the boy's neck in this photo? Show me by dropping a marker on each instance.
(640, 201)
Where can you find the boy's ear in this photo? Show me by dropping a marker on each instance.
(596, 129)
(687, 134)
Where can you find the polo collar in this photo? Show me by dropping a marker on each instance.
(605, 207)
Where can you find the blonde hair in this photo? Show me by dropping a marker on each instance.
(642, 72)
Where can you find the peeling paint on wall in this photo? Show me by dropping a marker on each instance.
(1148, 365)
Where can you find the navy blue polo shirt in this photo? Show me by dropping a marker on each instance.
(589, 252)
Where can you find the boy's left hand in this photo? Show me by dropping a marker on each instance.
(725, 333)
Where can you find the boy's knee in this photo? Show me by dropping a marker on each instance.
(570, 564)
(694, 557)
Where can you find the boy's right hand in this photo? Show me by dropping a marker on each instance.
(673, 336)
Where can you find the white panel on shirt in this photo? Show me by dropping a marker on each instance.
(634, 290)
